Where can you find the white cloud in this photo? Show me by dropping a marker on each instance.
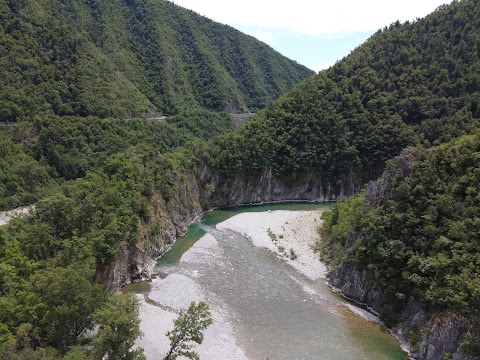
(264, 36)
(321, 67)
(313, 17)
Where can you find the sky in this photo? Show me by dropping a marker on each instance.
(315, 33)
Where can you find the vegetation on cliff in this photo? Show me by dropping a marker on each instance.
(39, 155)
(71, 74)
(75, 75)
(48, 259)
(416, 231)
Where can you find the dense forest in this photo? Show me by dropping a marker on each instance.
(78, 80)
(408, 84)
(48, 260)
(115, 58)
(416, 232)
(77, 77)
(40, 154)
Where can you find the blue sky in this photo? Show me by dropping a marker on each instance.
(317, 52)
(316, 33)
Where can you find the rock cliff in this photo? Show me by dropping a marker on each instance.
(199, 190)
(266, 187)
(431, 336)
(169, 217)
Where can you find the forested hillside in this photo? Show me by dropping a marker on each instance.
(39, 155)
(113, 190)
(415, 231)
(126, 206)
(409, 83)
(115, 58)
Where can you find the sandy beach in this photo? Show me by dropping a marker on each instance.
(280, 231)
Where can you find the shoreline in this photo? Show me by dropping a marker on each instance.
(167, 296)
(361, 308)
(277, 231)
(260, 236)
(289, 234)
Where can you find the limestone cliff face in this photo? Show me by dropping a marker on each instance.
(266, 187)
(131, 264)
(378, 190)
(355, 284)
(199, 190)
(431, 336)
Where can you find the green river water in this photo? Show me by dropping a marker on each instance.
(212, 218)
(270, 301)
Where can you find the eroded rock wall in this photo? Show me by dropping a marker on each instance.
(432, 335)
(265, 187)
(169, 216)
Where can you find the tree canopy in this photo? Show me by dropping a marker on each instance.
(122, 59)
(416, 230)
(409, 83)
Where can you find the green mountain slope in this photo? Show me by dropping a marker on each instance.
(415, 231)
(409, 83)
(125, 58)
(111, 194)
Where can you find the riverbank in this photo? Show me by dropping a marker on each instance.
(263, 303)
(290, 234)
(167, 296)
(279, 231)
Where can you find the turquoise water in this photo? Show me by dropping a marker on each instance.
(212, 218)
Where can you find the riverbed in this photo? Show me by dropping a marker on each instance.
(266, 290)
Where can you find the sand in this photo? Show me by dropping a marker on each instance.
(280, 231)
(297, 230)
(175, 292)
(6, 216)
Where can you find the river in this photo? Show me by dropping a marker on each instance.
(263, 307)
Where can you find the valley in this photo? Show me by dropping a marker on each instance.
(390, 133)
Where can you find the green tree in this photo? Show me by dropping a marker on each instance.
(68, 301)
(188, 329)
(119, 328)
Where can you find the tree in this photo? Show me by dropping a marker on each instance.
(119, 328)
(188, 328)
(66, 301)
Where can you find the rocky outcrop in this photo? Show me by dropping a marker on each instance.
(169, 216)
(402, 166)
(266, 187)
(431, 336)
(355, 284)
(434, 335)
(131, 265)
(172, 210)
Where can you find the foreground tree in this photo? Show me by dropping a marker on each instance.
(119, 328)
(188, 328)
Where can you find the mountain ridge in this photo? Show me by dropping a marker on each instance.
(115, 58)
